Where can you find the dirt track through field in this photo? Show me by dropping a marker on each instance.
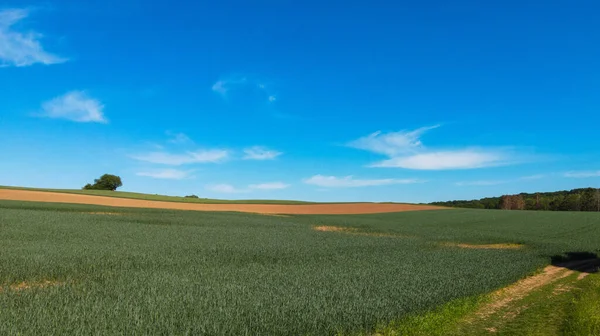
(304, 209)
(507, 301)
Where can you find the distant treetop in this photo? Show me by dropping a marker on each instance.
(105, 182)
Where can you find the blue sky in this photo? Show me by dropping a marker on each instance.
(335, 101)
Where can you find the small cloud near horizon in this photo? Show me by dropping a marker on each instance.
(225, 189)
(170, 174)
(534, 177)
(351, 182)
(582, 174)
(198, 156)
(269, 186)
(480, 183)
(497, 182)
(230, 189)
(260, 153)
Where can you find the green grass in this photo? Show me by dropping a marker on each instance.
(151, 197)
(540, 313)
(441, 321)
(574, 311)
(544, 312)
(148, 271)
(583, 310)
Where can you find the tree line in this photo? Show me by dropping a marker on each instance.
(583, 199)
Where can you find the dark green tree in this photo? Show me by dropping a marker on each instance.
(571, 203)
(544, 203)
(531, 204)
(105, 182)
(588, 200)
(556, 203)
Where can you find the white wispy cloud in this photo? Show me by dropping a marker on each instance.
(442, 160)
(232, 84)
(75, 106)
(534, 177)
(496, 182)
(405, 149)
(480, 183)
(220, 87)
(260, 153)
(269, 186)
(226, 189)
(350, 181)
(198, 156)
(230, 189)
(171, 174)
(18, 48)
(393, 143)
(583, 174)
(178, 138)
(223, 86)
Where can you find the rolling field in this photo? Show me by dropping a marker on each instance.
(152, 197)
(272, 208)
(83, 269)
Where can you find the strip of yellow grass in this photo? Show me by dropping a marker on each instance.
(31, 285)
(355, 231)
(507, 246)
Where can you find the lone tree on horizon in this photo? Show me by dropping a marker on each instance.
(105, 182)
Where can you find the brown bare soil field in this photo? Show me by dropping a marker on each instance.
(304, 209)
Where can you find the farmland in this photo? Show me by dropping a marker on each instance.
(152, 197)
(84, 269)
(255, 206)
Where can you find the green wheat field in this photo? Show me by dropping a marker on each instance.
(77, 269)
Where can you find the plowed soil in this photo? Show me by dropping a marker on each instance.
(333, 209)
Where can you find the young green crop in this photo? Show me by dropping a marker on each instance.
(99, 270)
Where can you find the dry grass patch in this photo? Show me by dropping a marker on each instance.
(523, 304)
(355, 231)
(508, 246)
(325, 228)
(25, 285)
(517, 291)
(274, 215)
(582, 275)
(562, 288)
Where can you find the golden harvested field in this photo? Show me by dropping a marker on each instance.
(305, 209)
